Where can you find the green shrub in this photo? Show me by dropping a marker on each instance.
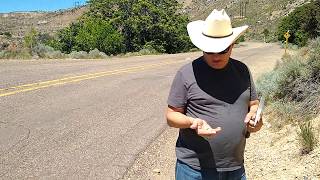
(2, 54)
(55, 43)
(240, 39)
(99, 34)
(308, 137)
(194, 50)
(45, 51)
(56, 55)
(282, 113)
(4, 45)
(122, 26)
(78, 55)
(303, 24)
(17, 54)
(7, 34)
(66, 39)
(44, 38)
(296, 81)
(154, 47)
(30, 39)
(141, 53)
(42, 50)
(278, 84)
(96, 54)
(147, 52)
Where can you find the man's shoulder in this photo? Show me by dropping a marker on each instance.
(239, 65)
(188, 68)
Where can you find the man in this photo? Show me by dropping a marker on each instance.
(213, 101)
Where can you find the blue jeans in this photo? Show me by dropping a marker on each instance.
(185, 172)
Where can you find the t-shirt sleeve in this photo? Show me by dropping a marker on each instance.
(178, 92)
(253, 92)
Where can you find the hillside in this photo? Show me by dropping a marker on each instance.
(260, 15)
(18, 23)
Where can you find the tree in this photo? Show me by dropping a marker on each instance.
(117, 26)
(145, 21)
(303, 24)
(67, 38)
(97, 33)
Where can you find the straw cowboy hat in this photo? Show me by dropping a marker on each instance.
(215, 34)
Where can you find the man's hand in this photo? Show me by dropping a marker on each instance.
(203, 128)
(250, 122)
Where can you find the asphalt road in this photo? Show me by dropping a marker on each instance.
(87, 119)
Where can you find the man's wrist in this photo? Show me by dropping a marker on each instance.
(190, 119)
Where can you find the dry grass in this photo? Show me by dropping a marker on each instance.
(308, 137)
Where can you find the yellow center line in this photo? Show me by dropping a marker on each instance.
(45, 84)
(75, 77)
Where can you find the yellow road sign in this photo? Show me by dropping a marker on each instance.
(287, 35)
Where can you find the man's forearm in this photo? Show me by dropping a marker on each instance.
(178, 120)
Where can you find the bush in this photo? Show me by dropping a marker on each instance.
(97, 33)
(4, 45)
(119, 26)
(149, 48)
(45, 51)
(147, 52)
(42, 50)
(16, 54)
(30, 39)
(278, 83)
(303, 24)
(153, 47)
(56, 55)
(290, 46)
(96, 54)
(78, 55)
(7, 34)
(66, 38)
(194, 50)
(240, 39)
(307, 137)
(44, 38)
(282, 113)
(295, 80)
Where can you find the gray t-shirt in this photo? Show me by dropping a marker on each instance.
(221, 98)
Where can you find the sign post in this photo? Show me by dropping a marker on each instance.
(286, 35)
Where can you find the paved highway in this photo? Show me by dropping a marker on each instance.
(87, 119)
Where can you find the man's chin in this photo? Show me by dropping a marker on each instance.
(217, 64)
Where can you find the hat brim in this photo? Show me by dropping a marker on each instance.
(210, 44)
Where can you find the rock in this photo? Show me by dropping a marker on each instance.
(268, 125)
(156, 171)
